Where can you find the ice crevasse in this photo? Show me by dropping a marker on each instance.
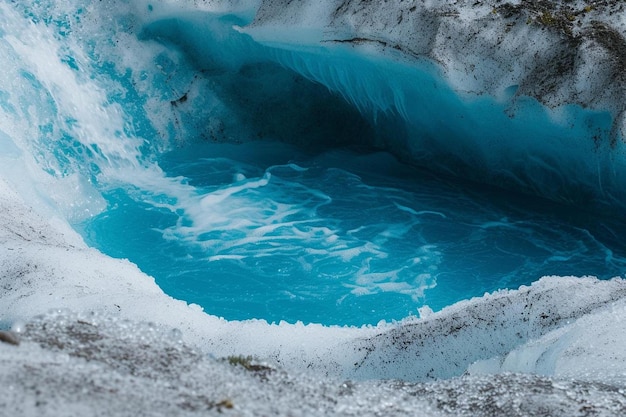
(524, 95)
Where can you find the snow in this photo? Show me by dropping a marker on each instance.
(584, 349)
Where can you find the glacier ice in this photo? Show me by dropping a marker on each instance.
(86, 364)
(547, 76)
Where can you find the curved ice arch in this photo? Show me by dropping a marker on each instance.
(487, 104)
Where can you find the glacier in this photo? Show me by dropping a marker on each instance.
(436, 84)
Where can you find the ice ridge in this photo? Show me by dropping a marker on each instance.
(73, 364)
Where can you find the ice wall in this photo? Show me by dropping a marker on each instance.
(524, 95)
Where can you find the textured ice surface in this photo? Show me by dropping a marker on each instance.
(560, 52)
(69, 364)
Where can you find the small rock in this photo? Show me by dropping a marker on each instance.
(9, 337)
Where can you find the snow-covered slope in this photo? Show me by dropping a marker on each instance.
(71, 365)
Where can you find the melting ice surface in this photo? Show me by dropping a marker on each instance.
(308, 218)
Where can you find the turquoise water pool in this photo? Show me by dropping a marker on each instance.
(340, 236)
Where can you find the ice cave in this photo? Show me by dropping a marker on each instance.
(330, 207)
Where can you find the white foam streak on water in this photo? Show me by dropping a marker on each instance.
(419, 213)
(219, 196)
(277, 216)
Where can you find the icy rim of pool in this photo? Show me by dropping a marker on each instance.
(69, 364)
(557, 344)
